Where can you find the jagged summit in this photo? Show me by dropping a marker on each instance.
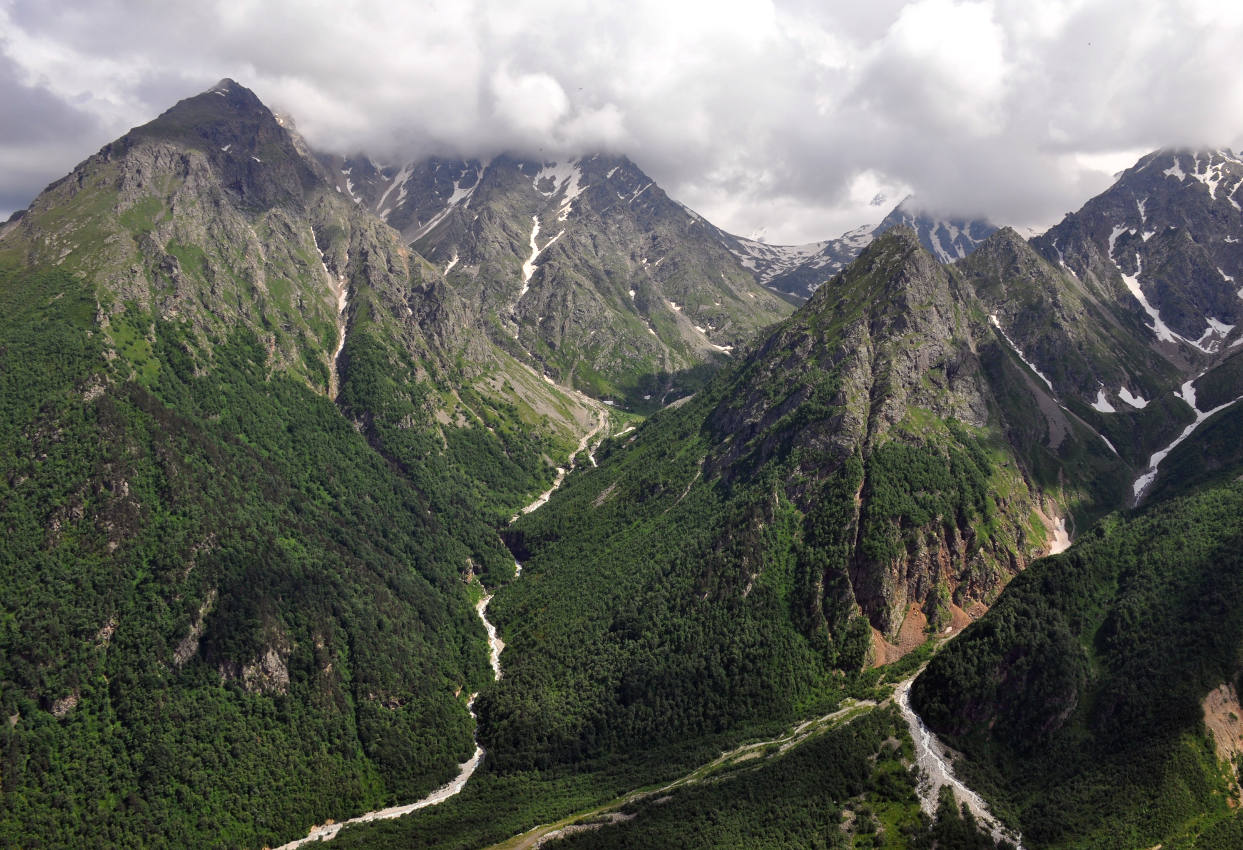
(800, 269)
(948, 239)
(1163, 242)
(243, 141)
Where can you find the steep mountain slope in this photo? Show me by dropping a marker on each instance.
(1164, 241)
(1081, 699)
(584, 268)
(227, 607)
(716, 565)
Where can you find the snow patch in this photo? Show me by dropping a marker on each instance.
(452, 263)
(1210, 176)
(992, 318)
(1113, 238)
(1158, 327)
(1187, 394)
(769, 261)
(1102, 405)
(398, 180)
(528, 268)
(458, 197)
(226, 147)
(1136, 401)
(1176, 170)
(566, 177)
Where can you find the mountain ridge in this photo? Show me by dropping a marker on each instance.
(260, 452)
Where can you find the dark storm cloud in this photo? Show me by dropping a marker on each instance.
(785, 116)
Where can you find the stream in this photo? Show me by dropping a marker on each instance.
(932, 760)
(929, 755)
(929, 752)
(466, 769)
(328, 831)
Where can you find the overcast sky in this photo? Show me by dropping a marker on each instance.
(794, 120)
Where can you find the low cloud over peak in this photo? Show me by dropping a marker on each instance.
(787, 117)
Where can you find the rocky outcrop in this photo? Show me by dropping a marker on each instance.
(872, 368)
(268, 673)
(188, 647)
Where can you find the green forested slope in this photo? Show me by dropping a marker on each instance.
(721, 563)
(223, 613)
(228, 606)
(1077, 698)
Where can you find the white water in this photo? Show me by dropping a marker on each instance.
(495, 644)
(329, 831)
(929, 755)
(466, 769)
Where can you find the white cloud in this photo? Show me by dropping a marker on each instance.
(774, 115)
(531, 105)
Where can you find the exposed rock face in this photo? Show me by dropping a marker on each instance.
(584, 268)
(863, 379)
(268, 673)
(1223, 717)
(214, 217)
(210, 216)
(1060, 325)
(189, 645)
(1163, 241)
(62, 706)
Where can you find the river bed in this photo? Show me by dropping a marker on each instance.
(930, 755)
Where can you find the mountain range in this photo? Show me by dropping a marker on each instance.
(273, 421)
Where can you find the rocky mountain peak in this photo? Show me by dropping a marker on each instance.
(1163, 242)
(948, 239)
(255, 156)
